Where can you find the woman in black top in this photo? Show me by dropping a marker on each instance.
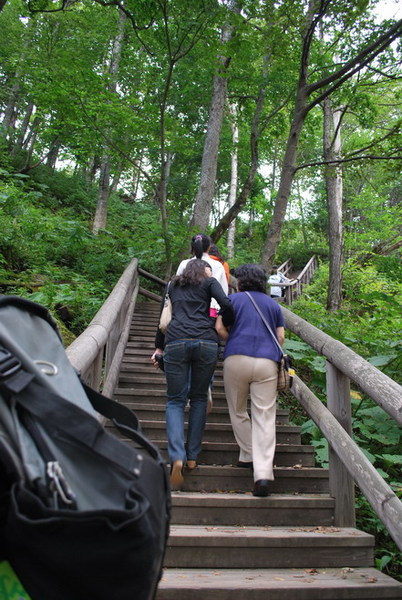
(190, 355)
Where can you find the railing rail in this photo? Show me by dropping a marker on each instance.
(347, 463)
(95, 353)
(382, 389)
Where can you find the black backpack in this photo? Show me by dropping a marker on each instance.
(83, 515)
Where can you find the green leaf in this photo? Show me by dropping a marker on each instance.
(382, 361)
(392, 459)
(383, 473)
(383, 561)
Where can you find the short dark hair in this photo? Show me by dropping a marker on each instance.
(193, 274)
(251, 278)
(214, 250)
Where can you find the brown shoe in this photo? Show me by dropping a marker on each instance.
(191, 464)
(176, 474)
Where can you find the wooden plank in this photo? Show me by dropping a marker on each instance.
(341, 484)
(381, 497)
(278, 584)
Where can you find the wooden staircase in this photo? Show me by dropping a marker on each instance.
(227, 544)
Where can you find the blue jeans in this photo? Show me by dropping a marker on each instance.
(189, 366)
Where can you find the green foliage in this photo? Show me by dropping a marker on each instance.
(47, 252)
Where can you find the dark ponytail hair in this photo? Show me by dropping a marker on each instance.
(200, 244)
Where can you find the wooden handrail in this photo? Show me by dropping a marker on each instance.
(151, 277)
(93, 351)
(381, 388)
(381, 497)
(335, 424)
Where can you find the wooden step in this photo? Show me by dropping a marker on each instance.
(278, 584)
(230, 547)
(157, 395)
(227, 453)
(191, 508)
(157, 412)
(288, 480)
(220, 432)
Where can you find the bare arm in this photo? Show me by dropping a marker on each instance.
(221, 329)
(280, 334)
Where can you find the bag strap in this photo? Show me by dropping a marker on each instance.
(257, 308)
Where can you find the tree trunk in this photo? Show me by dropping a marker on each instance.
(333, 184)
(90, 169)
(23, 129)
(30, 143)
(116, 177)
(100, 218)
(162, 197)
(303, 220)
(233, 180)
(206, 188)
(53, 153)
(255, 133)
(286, 180)
(10, 112)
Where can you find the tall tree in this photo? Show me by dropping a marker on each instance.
(334, 190)
(206, 189)
(308, 95)
(104, 176)
(233, 178)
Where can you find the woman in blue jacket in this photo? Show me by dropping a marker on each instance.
(251, 367)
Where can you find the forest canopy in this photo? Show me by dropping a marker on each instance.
(274, 126)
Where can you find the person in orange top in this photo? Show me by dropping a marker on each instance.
(215, 253)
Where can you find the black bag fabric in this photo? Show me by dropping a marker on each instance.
(83, 515)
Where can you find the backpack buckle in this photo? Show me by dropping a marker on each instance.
(9, 364)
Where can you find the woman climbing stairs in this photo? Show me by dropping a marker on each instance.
(224, 543)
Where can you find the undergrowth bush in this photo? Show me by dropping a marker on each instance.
(47, 250)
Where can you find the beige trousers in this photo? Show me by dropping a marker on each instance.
(244, 375)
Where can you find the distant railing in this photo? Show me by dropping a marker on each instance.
(294, 288)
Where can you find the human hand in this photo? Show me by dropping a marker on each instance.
(154, 358)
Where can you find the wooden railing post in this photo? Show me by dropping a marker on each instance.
(341, 484)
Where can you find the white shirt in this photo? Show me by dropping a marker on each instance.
(217, 271)
(277, 278)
